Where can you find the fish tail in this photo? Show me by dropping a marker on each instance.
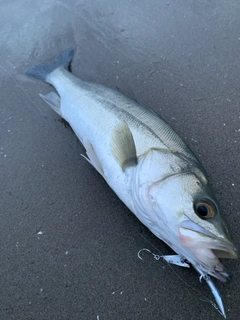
(42, 72)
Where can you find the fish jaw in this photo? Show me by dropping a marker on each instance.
(207, 249)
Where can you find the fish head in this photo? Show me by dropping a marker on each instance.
(183, 211)
(204, 231)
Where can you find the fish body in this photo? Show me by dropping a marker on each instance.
(146, 163)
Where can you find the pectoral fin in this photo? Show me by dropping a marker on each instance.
(53, 100)
(123, 146)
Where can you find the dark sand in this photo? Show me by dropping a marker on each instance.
(68, 245)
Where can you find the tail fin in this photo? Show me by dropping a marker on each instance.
(41, 72)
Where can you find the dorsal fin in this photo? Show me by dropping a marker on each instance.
(123, 146)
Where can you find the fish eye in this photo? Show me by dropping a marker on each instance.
(204, 209)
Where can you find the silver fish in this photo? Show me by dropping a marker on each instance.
(147, 165)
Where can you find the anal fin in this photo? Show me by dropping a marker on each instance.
(53, 100)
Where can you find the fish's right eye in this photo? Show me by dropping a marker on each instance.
(204, 209)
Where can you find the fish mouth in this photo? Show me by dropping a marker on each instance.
(207, 248)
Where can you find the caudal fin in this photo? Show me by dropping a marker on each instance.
(42, 72)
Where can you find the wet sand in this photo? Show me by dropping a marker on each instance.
(69, 247)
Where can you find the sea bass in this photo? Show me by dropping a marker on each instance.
(147, 165)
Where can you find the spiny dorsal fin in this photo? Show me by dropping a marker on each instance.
(123, 146)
